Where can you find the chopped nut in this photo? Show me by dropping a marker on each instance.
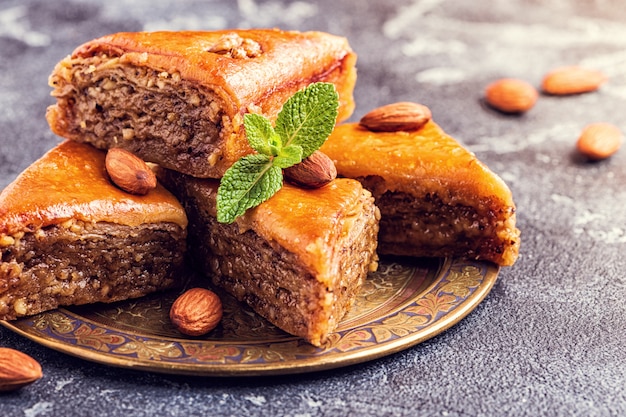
(6, 240)
(108, 85)
(234, 46)
(128, 134)
(20, 306)
(194, 100)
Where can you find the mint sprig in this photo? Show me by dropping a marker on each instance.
(302, 126)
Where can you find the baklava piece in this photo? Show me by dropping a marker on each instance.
(68, 236)
(435, 197)
(298, 259)
(178, 98)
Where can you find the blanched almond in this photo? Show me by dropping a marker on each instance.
(17, 369)
(599, 141)
(196, 312)
(313, 172)
(572, 80)
(396, 117)
(510, 95)
(129, 172)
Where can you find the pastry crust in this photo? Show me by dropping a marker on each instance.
(68, 236)
(178, 98)
(70, 182)
(298, 259)
(436, 198)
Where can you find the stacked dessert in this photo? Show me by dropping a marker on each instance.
(180, 101)
(69, 236)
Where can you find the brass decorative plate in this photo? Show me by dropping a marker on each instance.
(401, 305)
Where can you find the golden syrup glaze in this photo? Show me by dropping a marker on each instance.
(310, 223)
(70, 182)
(288, 58)
(290, 61)
(425, 160)
(306, 222)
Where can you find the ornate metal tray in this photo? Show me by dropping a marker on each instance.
(401, 305)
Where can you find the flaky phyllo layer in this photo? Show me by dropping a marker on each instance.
(179, 100)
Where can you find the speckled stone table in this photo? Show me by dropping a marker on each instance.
(549, 340)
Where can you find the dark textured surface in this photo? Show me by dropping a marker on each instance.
(548, 340)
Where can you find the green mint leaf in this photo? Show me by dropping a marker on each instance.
(246, 184)
(308, 117)
(261, 134)
(288, 156)
(303, 125)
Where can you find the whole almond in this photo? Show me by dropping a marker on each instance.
(572, 80)
(511, 95)
(129, 172)
(196, 312)
(17, 369)
(599, 141)
(313, 172)
(396, 117)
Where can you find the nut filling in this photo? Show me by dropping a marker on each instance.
(275, 284)
(268, 277)
(431, 227)
(84, 263)
(155, 115)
